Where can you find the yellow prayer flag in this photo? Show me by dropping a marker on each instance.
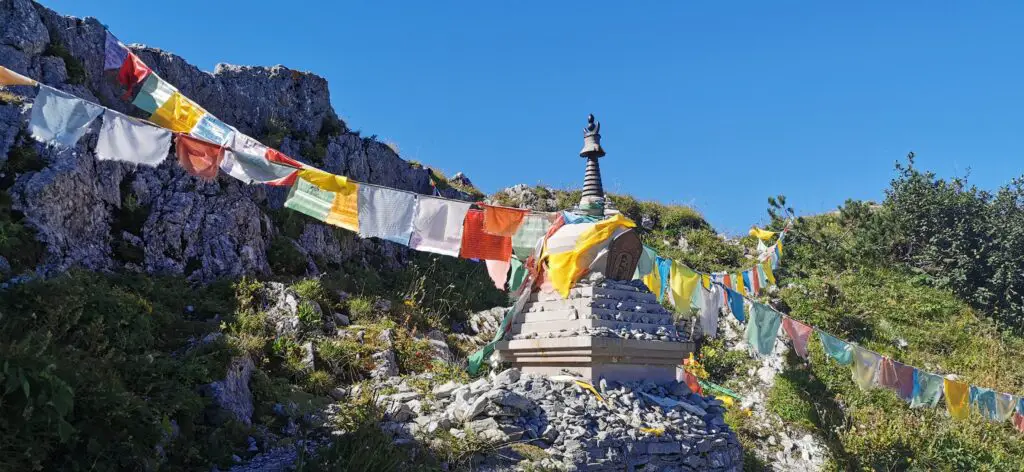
(9, 77)
(766, 267)
(328, 181)
(345, 209)
(683, 281)
(957, 398)
(653, 281)
(779, 245)
(565, 268)
(705, 280)
(761, 234)
(178, 114)
(738, 278)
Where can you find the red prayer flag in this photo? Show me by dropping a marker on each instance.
(133, 71)
(755, 280)
(1018, 421)
(799, 333)
(897, 377)
(198, 157)
(273, 155)
(476, 244)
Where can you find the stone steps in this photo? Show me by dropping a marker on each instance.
(597, 292)
(587, 303)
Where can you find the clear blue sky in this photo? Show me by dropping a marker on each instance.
(713, 104)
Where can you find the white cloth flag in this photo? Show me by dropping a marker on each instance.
(60, 118)
(437, 226)
(386, 214)
(126, 139)
(251, 168)
(709, 312)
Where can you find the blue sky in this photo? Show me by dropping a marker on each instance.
(713, 104)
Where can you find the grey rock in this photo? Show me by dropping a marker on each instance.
(232, 394)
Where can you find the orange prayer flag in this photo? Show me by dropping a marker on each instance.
(502, 221)
(199, 158)
(9, 77)
(477, 244)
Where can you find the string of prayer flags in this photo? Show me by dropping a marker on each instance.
(957, 398)
(653, 280)
(9, 77)
(437, 226)
(682, 282)
(799, 333)
(533, 228)
(502, 221)
(345, 208)
(928, 389)
(763, 328)
(198, 157)
(479, 244)
(897, 377)
(836, 348)
(114, 53)
(123, 138)
(742, 282)
(60, 118)
(865, 367)
(386, 214)
(250, 168)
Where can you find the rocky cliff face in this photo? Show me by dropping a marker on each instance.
(113, 216)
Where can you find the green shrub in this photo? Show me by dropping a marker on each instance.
(284, 258)
(75, 68)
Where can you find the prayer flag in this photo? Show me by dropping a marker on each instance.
(386, 213)
(1005, 405)
(648, 258)
(927, 389)
(477, 358)
(755, 278)
(665, 273)
(498, 271)
(865, 367)
(478, 244)
(502, 221)
(197, 157)
(736, 304)
(762, 328)
(682, 281)
(836, 348)
(60, 118)
(123, 138)
(114, 53)
(532, 229)
(768, 274)
(743, 283)
(897, 377)
(984, 400)
(518, 273)
(437, 226)
(254, 168)
(213, 130)
(568, 266)
(131, 73)
(761, 234)
(1018, 416)
(310, 200)
(273, 155)
(957, 398)
(345, 208)
(799, 333)
(9, 77)
(327, 181)
(653, 281)
(178, 114)
(249, 145)
(710, 310)
(155, 92)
